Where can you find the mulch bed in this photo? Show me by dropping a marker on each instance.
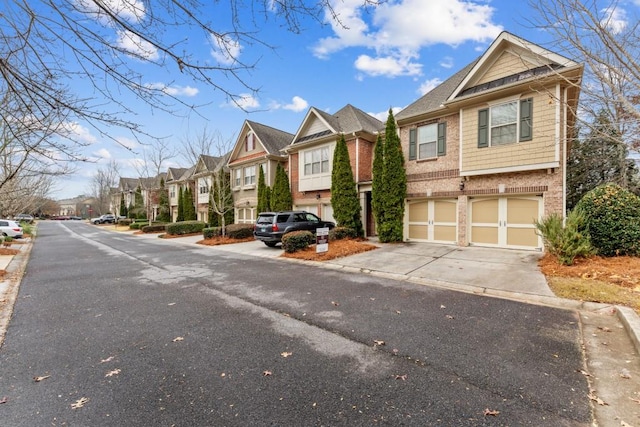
(215, 241)
(622, 270)
(337, 249)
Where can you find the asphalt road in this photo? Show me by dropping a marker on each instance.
(142, 332)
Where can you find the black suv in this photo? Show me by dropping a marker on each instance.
(271, 226)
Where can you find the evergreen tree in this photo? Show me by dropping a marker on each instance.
(378, 189)
(390, 228)
(281, 199)
(189, 206)
(180, 216)
(263, 193)
(164, 214)
(130, 210)
(344, 194)
(139, 209)
(600, 158)
(123, 206)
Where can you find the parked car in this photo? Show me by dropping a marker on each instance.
(24, 217)
(10, 228)
(271, 226)
(75, 218)
(104, 219)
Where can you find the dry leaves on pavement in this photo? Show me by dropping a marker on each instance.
(79, 403)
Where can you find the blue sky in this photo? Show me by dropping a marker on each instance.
(387, 58)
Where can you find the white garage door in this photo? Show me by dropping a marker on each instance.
(505, 222)
(433, 220)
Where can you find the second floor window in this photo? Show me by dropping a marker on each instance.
(505, 123)
(316, 161)
(237, 178)
(249, 175)
(249, 142)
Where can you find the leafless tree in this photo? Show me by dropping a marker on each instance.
(206, 142)
(606, 37)
(151, 169)
(103, 180)
(220, 193)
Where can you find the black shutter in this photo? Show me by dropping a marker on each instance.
(483, 128)
(412, 144)
(442, 139)
(526, 116)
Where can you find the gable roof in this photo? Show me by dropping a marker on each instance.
(174, 174)
(210, 164)
(273, 140)
(466, 82)
(348, 119)
(128, 184)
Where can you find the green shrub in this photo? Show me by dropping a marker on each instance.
(297, 240)
(567, 242)
(612, 219)
(154, 228)
(135, 225)
(185, 227)
(8, 239)
(26, 227)
(125, 222)
(239, 231)
(211, 232)
(339, 233)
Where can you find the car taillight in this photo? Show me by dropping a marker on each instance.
(17, 229)
(275, 227)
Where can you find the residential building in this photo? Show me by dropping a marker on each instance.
(257, 146)
(486, 150)
(311, 159)
(206, 174)
(178, 179)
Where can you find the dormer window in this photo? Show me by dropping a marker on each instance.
(249, 142)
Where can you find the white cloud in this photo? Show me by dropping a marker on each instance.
(297, 104)
(77, 132)
(446, 62)
(397, 31)
(174, 90)
(384, 115)
(102, 153)
(225, 49)
(133, 45)
(429, 85)
(615, 19)
(129, 10)
(244, 101)
(387, 66)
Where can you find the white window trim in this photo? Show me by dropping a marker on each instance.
(497, 103)
(435, 142)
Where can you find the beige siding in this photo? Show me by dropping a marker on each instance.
(540, 150)
(506, 65)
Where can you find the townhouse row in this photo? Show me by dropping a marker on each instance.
(485, 153)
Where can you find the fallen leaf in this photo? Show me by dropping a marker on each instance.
(442, 307)
(635, 400)
(79, 403)
(112, 373)
(372, 299)
(488, 411)
(178, 339)
(398, 312)
(378, 342)
(335, 303)
(267, 373)
(623, 424)
(604, 329)
(38, 379)
(4, 399)
(172, 303)
(583, 372)
(624, 373)
(395, 351)
(597, 399)
(448, 316)
(285, 354)
(223, 374)
(108, 359)
(401, 377)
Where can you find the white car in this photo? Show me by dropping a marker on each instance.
(10, 228)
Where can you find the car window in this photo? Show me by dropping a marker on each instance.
(312, 218)
(299, 218)
(282, 218)
(4, 224)
(265, 219)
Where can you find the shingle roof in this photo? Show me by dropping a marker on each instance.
(272, 139)
(437, 96)
(176, 173)
(128, 184)
(347, 120)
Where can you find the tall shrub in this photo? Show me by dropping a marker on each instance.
(378, 189)
(180, 215)
(390, 228)
(263, 193)
(612, 218)
(344, 194)
(189, 205)
(281, 199)
(164, 214)
(123, 206)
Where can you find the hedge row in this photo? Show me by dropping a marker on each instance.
(233, 231)
(185, 227)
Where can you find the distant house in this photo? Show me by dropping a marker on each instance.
(311, 159)
(257, 146)
(82, 206)
(204, 176)
(178, 179)
(486, 150)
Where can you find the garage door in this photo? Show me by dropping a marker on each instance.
(433, 220)
(505, 222)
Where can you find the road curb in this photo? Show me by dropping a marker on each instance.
(10, 286)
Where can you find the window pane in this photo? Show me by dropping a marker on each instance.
(315, 168)
(325, 166)
(427, 133)
(307, 169)
(504, 114)
(325, 154)
(503, 135)
(426, 151)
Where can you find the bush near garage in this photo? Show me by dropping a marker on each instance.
(154, 228)
(239, 231)
(185, 227)
(125, 222)
(565, 241)
(297, 240)
(612, 219)
(135, 226)
(340, 233)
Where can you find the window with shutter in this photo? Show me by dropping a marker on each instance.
(505, 123)
(427, 142)
(412, 144)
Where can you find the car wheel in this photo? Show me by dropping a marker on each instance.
(4, 234)
(271, 244)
